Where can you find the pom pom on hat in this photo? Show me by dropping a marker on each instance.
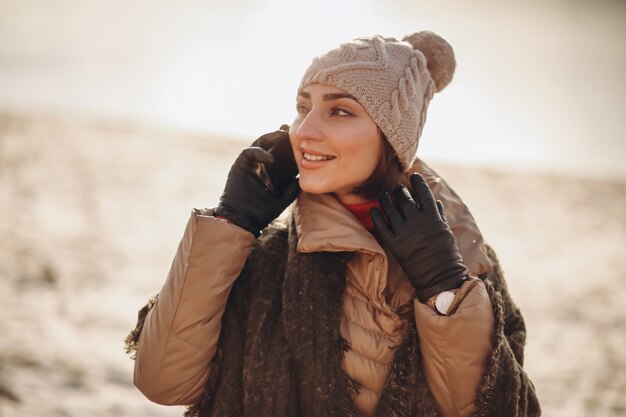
(439, 55)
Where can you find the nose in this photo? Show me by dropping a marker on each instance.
(310, 127)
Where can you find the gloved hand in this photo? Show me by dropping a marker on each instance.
(420, 239)
(261, 183)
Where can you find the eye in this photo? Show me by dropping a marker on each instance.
(341, 112)
(301, 109)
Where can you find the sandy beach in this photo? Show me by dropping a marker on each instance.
(93, 211)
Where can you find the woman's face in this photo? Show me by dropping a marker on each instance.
(335, 142)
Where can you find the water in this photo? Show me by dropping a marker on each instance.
(538, 85)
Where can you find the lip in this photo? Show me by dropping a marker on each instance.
(305, 163)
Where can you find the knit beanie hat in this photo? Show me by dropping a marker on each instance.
(393, 81)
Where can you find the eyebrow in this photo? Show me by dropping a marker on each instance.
(329, 96)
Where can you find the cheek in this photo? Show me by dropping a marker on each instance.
(365, 155)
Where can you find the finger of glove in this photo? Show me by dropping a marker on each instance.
(268, 140)
(290, 193)
(422, 193)
(380, 224)
(283, 170)
(442, 212)
(253, 154)
(405, 201)
(283, 155)
(396, 221)
(262, 141)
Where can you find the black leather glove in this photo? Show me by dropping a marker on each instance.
(418, 236)
(261, 183)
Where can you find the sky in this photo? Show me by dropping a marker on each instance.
(538, 85)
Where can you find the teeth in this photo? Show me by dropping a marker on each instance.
(310, 157)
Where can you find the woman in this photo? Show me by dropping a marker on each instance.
(355, 306)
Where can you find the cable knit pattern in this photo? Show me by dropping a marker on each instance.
(392, 80)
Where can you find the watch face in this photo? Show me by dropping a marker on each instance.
(443, 301)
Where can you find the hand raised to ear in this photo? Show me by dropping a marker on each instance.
(261, 183)
(279, 175)
(416, 233)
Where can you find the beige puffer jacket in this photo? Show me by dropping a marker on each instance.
(180, 334)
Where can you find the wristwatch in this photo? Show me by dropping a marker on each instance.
(441, 302)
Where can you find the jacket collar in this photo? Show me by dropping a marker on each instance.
(323, 224)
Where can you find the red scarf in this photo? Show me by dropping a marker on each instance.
(362, 212)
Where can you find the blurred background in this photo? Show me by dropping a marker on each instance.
(117, 117)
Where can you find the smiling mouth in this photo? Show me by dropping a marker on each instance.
(315, 158)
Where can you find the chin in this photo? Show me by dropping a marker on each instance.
(313, 187)
(325, 188)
